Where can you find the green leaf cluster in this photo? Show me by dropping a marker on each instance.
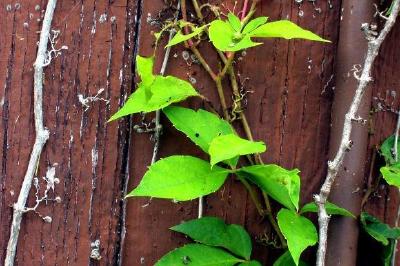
(391, 171)
(382, 233)
(217, 244)
(180, 178)
(379, 231)
(154, 92)
(232, 35)
(183, 178)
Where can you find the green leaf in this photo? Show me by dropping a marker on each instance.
(230, 146)
(213, 231)
(287, 260)
(145, 69)
(299, 232)
(244, 43)
(198, 255)
(254, 24)
(199, 126)
(388, 253)
(235, 22)
(378, 230)
(224, 38)
(180, 37)
(391, 174)
(285, 29)
(250, 263)
(154, 92)
(160, 93)
(180, 178)
(281, 184)
(331, 209)
(387, 150)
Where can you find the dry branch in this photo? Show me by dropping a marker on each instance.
(42, 134)
(334, 166)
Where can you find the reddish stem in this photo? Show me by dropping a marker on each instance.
(184, 18)
(244, 9)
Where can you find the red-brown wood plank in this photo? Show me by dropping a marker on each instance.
(88, 152)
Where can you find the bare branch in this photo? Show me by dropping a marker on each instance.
(158, 126)
(42, 134)
(374, 44)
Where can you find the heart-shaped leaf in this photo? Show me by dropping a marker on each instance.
(154, 92)
(180, 178)
(230, 146)
(287, 260)
(213, 231)
(391, 174)
(229, 36)
(235, 22)
(380, 231)
(225, 38)
(281, 184)
(198, 255)
(387, 150)
(180, 37)
(299, 232)
(331, 209)
(285, 29)
(254, 24)
(199, 126)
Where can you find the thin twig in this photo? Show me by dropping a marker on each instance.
(246, 127)
(184, 18)
(249, 135)
(244, 9)
(197, 10)
(370, 186)
(42, 134)
(221, 95)
(158, 126)
(334, 166)
(252, 10)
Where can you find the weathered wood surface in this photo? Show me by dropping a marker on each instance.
(89, 154)
(289, 103)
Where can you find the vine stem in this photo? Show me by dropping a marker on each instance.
(244, 9)
(228, 68)
(334, 166)
(228, 61)
(252, 10)
(221, 95)
(158, 126)
(197, 9)
(249, 135)
(184, 18)
(42, 133)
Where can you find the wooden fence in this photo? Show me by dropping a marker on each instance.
(290, 95)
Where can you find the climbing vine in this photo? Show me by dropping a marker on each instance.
(184, 178)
